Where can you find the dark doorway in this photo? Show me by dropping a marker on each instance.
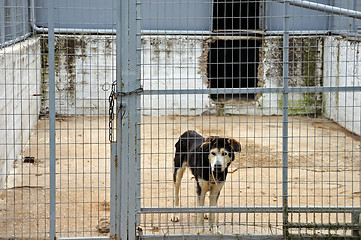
(233, 64)
(231, 15)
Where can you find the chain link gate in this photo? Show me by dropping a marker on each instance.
(280, 77)
(246, 64)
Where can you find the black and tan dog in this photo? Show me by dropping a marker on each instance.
(208, 159)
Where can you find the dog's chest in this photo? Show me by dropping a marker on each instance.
(201, 169)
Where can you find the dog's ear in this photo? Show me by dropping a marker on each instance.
(207, 143)
(205, 146)
(235, 145)
(210, 139)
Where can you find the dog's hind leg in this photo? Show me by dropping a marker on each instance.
(213, 199)
(177, 178)
(202, 189)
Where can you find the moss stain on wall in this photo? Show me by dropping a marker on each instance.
(66, 49)
(305, 70)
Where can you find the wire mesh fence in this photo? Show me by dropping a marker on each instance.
(84, 67)
(281, 78)
(14, 21)
(256, 71)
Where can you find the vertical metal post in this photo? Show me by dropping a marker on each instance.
(356, 220)
(354, 22)
(119, 187)
(24, 9)
(122, 53)
(113, 189)
(138, 105)
(128, 117)
(133, 113)
(285, 121)
(2, 21)
(13, 18)
(52, 153)
(331, 18)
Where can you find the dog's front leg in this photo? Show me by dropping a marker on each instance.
(213, 199)
(202, 187)
(177, 178)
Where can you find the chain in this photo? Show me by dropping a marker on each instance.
(112, 98)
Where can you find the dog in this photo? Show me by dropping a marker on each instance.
(208, 160)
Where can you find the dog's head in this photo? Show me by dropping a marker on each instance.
(220, 152)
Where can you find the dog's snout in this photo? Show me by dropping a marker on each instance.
(218, 167)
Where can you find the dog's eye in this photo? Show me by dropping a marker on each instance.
(213, 153)
(224, 153)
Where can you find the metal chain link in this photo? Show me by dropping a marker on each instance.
(112, 98)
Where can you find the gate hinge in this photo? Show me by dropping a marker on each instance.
(116, 161)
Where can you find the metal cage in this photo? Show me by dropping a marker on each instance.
(96, 95)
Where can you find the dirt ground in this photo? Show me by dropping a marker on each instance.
(324, 170)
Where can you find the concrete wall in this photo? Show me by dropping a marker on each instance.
(342, 64)
(84, 72)
(174, 62)
(85, 69)
(314, 61)
(305, 70)
(20, 71)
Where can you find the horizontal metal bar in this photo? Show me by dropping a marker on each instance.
(323, 7)
(65, 30)
(212, 91)
(256, 209)
(238, 31)
(250, 90)
(241, 237)
(211, 209)
(305, 33)
(175, 32)
(299, 32)
(84, 238)
(324, 225)
(236, 37)
(75, 30)
(70, 238)
(211, 237)
(13, 41)
(324, 89)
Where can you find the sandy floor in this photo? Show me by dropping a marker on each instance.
(324, 170)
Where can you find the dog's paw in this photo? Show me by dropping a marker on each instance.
(200, 231)
(174, 218)
(214, 230)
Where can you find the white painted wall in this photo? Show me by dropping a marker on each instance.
(174, 62)
(168, 62)
(84, 66)
(342, 67)
(20, 71)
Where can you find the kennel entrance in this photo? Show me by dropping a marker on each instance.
(233, 64)
(233, 57)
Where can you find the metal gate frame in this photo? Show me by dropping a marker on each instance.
(125, 157)
(124, 193)
(355, 225)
